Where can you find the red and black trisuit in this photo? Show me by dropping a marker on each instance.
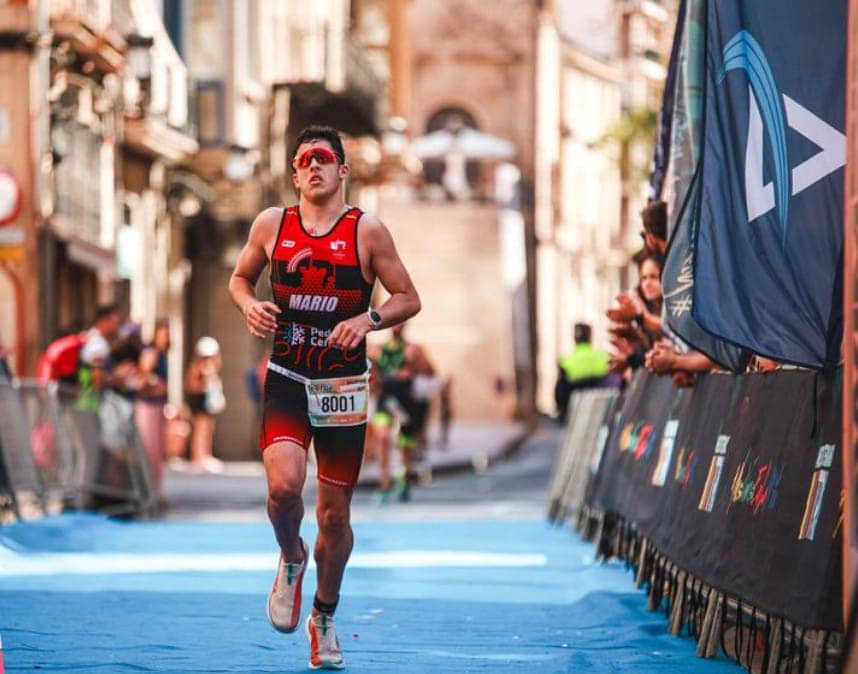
(317, 283)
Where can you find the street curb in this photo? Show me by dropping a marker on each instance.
(509, 449)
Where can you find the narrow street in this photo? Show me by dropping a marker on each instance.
(467, 577)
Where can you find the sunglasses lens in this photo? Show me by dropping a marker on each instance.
(321, 155)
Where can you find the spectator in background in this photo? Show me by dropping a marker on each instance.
(637, 316)
(583, 367)
(204, 393)
(446, 412)
(254, 379)
(116, 414)
(94, 363)
(151, 398)
(5, 352)
(665, 358)
(654, 234)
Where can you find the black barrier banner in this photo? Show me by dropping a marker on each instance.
(738, 481)
(632, 448)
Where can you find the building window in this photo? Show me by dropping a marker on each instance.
(210, 112)
(77, 151)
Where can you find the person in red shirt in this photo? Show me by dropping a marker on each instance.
(324, 258)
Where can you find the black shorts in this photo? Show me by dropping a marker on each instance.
(339, 450)
(197, 403)
(416, 410)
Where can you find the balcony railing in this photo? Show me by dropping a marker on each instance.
(360, 76)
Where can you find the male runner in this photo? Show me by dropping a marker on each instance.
(402, 365)
(325, 257)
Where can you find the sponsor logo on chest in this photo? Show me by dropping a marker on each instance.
(313, 302)
(338, 249)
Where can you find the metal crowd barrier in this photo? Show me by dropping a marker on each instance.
(584, 436)
(55, 456)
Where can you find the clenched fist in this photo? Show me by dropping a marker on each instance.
(348, 334)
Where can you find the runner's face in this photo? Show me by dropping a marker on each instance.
(315, 175)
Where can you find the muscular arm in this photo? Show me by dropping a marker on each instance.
(259, 316)
(379, 260)
(387, 266)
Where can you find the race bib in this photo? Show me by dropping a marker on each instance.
(341, 401)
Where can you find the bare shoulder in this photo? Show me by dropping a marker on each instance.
(374, 235)
(266, 224)
(371, 225)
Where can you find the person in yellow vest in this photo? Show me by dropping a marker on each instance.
(583, 367)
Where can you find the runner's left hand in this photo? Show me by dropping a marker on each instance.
(348, 334)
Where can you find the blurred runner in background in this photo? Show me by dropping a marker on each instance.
(408, 382)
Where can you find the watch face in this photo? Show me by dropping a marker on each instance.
(374, 316)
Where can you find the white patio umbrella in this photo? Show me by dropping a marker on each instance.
(468, 142)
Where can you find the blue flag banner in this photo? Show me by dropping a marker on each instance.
(683, 190)
(768, 253)
(661, 156)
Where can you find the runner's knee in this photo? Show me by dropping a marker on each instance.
(285, 470)
(332, 520)
(285, 490)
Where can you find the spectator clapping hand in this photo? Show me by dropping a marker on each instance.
(619, 358)
(626, 308)
(661, 358)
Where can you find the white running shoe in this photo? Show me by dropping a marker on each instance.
(325, 651)
(284, 602)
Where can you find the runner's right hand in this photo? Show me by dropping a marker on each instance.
(260, 317)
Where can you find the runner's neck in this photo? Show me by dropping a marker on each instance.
(321, 219)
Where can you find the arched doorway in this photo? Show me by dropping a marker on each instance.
(451, 118)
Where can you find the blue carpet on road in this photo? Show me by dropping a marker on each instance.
(79, 594)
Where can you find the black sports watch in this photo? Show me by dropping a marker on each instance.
(374, 319)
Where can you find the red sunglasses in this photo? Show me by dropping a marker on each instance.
(321, 154)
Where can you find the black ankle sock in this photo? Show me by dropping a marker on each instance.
(324, 607)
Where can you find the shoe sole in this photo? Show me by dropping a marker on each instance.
(294, 628)
(324, 665)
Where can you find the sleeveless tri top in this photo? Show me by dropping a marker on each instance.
(392, 357)
(317, 282)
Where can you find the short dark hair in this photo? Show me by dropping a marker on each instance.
(645, 254)
(583, 333)
(317, 132)
(105, 310)
(654, 216)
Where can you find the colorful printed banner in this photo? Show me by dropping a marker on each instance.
(737, 480)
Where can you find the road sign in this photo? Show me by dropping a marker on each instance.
(10, 197)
